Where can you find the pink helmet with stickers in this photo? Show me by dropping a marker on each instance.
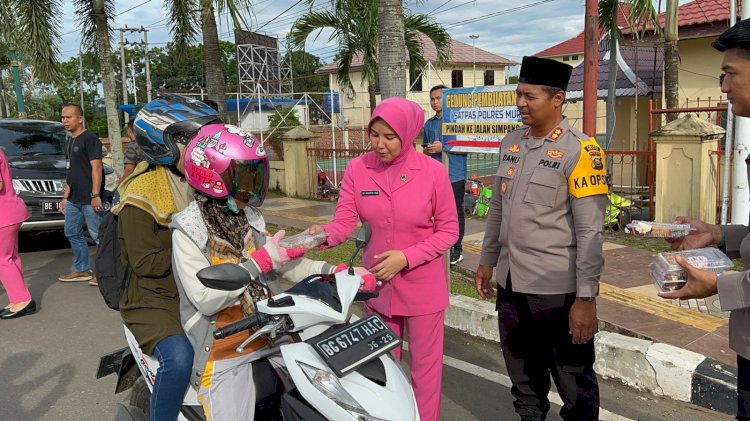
(223, 160)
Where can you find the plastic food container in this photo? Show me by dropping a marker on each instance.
(669, 276)
(657, 229)
(304, 239)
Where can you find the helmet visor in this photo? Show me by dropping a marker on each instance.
(247, 180)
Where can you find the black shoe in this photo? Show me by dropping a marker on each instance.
(29, 309)
(456, 256)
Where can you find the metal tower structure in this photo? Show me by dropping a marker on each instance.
(261, 68)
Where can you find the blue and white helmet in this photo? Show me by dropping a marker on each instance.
(168, 120)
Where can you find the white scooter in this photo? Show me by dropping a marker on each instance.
(340, 366)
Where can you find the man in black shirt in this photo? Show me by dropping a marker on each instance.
(82, 201)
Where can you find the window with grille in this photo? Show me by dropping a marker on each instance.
(457, 79)
(489, 77)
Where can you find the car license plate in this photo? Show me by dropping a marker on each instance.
(354, 345)
(50, 207)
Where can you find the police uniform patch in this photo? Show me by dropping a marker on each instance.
(556, 134)
(503, 186)
(515, 148)
(555, 153)
(510, 171)
(589, 177)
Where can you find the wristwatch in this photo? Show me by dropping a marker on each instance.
(94, 195)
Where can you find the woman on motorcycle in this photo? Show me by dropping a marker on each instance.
(228, 169)
(149, 197)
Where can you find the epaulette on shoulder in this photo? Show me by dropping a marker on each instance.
(579, 134)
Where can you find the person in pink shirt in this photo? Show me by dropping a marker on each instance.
(11, 273)
(407, 200)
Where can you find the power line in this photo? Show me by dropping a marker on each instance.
(279, 15)
(498, 13)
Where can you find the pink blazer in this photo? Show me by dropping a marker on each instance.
(416, 216)
(14, 210)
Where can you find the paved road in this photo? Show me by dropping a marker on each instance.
(48, 360)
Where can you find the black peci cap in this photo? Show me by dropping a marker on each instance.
(543, 71)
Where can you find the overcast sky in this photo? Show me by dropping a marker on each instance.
(510, 28)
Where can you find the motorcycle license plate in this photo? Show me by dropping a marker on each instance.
(354, 345)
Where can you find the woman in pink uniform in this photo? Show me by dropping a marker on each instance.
(11, 275)
(407, 200)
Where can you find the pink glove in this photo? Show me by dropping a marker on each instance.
(272, 256)
(368, 284)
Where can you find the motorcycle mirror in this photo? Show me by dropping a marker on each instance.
(363, 235)
(224, 277)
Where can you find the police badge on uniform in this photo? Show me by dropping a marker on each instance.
(595, 153)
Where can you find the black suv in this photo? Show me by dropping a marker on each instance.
(36, 154)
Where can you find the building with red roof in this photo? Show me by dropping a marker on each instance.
(491, 69)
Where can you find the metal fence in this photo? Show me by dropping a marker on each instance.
(329, 170)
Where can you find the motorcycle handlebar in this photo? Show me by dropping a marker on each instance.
(256, 319)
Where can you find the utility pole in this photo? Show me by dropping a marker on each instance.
(474, 56)
(122, 73)
(148, 72)
(146, 59)
(80, 80)
(14, 65)
(590, 67)
(132, 76)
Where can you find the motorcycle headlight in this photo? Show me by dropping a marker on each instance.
(328, 384)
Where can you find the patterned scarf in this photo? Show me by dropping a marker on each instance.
(155, 190)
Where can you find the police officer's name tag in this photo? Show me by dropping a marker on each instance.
(370, 193)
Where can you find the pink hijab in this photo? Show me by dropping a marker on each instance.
(406, 118)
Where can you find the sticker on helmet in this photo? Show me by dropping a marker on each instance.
(260, 151)
(218, 187)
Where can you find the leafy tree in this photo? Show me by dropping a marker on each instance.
(281, 121)
(187, 15)
(304, 66)
(95, 17)
(355, 29)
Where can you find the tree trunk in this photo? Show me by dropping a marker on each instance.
(373, 97)
(392, 57)
(671, 59)
(3, 109)
(671, 83)
(212, 59)
(109, 86)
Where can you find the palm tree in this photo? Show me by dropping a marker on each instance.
(95, 17)
(184, 17)
(355, 29)
(392, 54)
(30, 27)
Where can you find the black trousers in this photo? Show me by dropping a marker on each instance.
(536, 342)
(459, 190)
(743, 389)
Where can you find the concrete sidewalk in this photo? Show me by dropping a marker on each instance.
(677, 349)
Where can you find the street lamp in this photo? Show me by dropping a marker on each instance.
(474, 56)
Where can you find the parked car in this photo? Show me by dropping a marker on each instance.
(36, 155)
(36, 152)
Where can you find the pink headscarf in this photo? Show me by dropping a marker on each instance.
(405, 117)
